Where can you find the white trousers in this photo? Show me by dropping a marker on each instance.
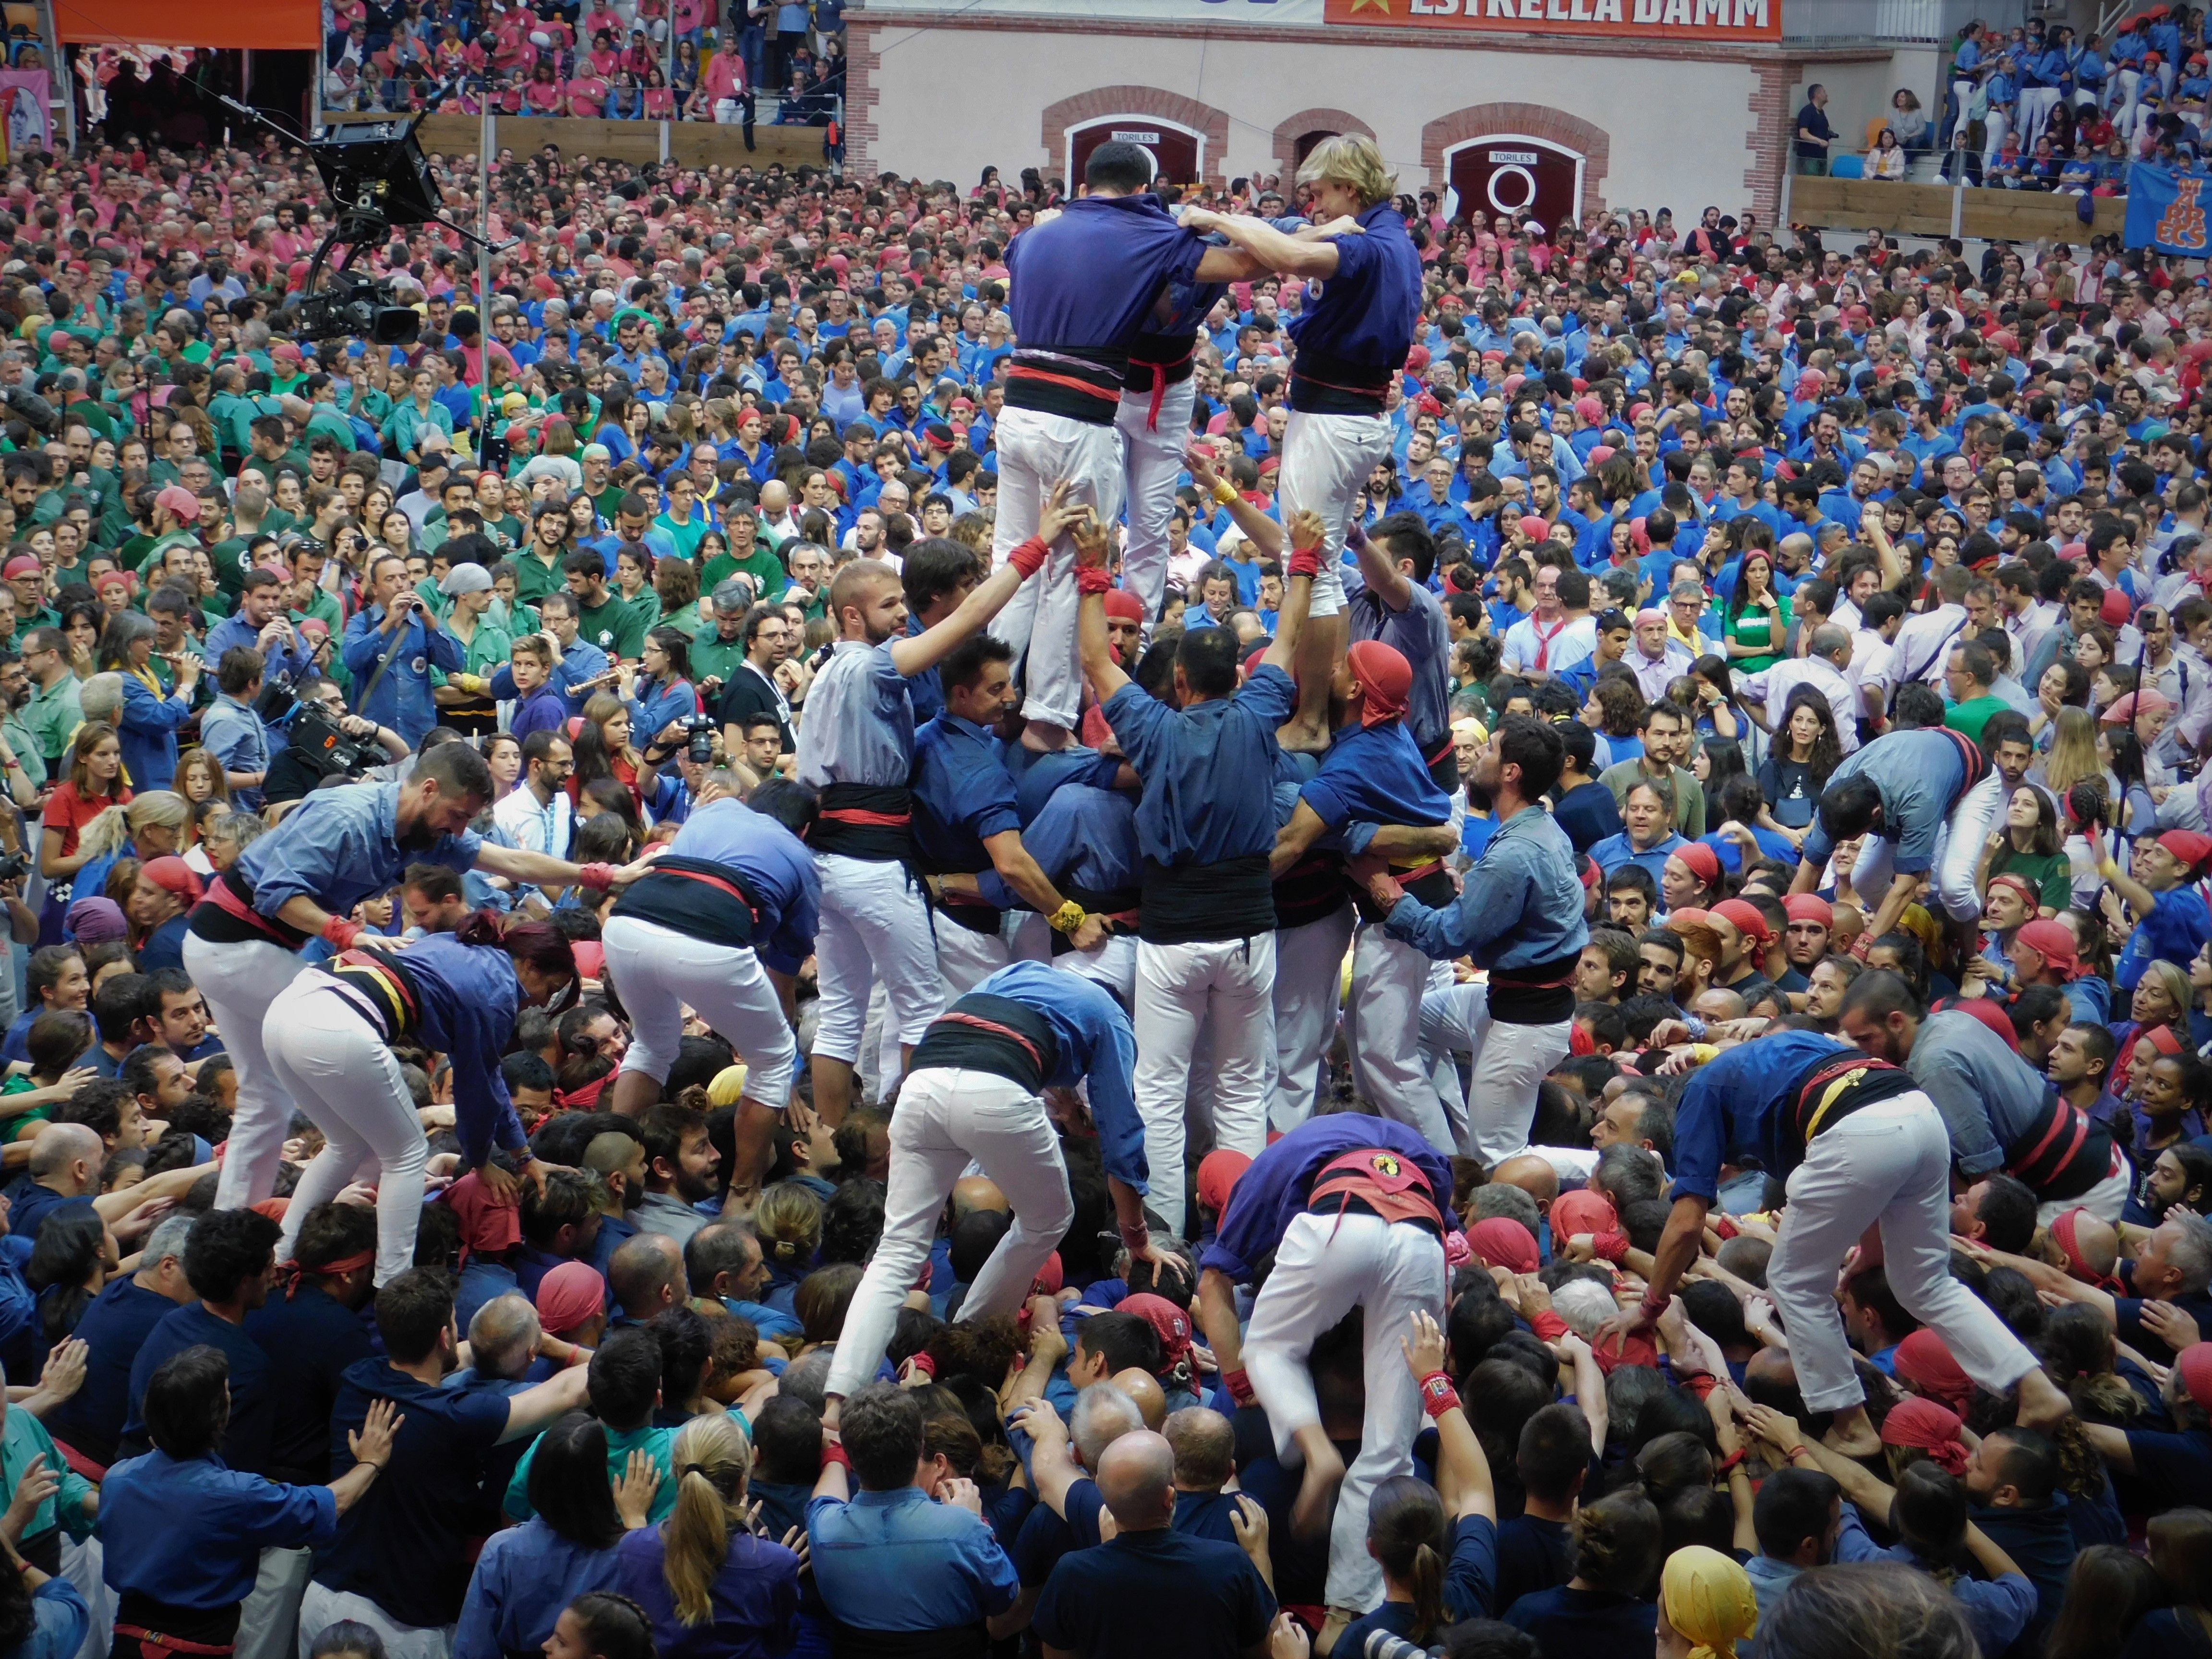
(1152, 460)
(1180, 988)
(661, 972)
(1113, 964)
(1325, 1267)
(947, 1120)
(873, 922)
(238, 982)
(321, 1607)
(346, 1078)
(271, 1617)
(966, 958)
(1958, 852)
(1382, 1022)
(1326, 461)
(81, 1565)
(1309, 986)
(1509, 1062)
(1888, 1163)
(1035, 452)
(2104, 1200)
(2035, 105)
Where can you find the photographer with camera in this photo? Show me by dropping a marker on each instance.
(322, 741)
(261, 624)
(390, 646)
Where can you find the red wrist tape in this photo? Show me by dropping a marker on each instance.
(1029, 558)
(836, 1455)
(596, 876)
(1306, 562)
(924, 1364)
(1093, 578)
(1239, 1386)
(1438, 1394)
(1610, 1247)
(1549, 1326)
(341, 932)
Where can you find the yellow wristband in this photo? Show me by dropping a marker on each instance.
(1069, 917)
(2110, 869)
(1702, 1052)
(1224, 491)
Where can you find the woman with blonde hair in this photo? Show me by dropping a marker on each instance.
(1351, 344)
(711, 1588)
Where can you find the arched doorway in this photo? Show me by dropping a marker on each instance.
(1179, 151)
(1305, 142)
(1506, 174)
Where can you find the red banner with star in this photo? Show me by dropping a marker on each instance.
(1646, 20)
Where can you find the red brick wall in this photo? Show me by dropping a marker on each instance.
(1288, 133)
(1592, 143)
(1771, 134)
(1088, 106)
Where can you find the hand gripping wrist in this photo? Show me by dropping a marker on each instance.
(1029, 558)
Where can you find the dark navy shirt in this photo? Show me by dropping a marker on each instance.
(1108, 1602)
(113, 1328)
(404, 1546)
(245, 1443)
(1092, 276)
(1367, 310)
(309, 1337)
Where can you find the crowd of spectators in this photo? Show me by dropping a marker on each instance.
(624, 60)
(1720, 510)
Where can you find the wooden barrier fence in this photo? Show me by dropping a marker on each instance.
(1979, 215)
(691, 143)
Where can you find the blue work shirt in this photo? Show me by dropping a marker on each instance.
(1086, 837)
(1092, 277)
(190, 1534)
(1920, 775)
(277, 660)
(1277, 1186)
(341, 846)
(236, 736)
(1366, 312)
(246, 1442)
(962, 794)
(147, 731)
(897, 1561)
(1521, 905)
(523, 1577)
(401, 699)
(1096, 1044)
(1375, 774)
(1741, 1101)
(774, 867)
(1208, 769)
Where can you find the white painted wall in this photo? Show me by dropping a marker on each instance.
(955, 101)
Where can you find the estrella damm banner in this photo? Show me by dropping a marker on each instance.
(1658, 19)
(2166, 209)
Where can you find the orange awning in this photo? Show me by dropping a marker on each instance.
(264, 25)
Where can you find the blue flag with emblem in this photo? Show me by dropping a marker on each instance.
(2166, 210)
